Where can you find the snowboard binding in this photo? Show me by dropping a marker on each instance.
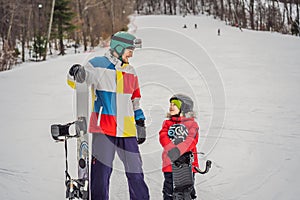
(207, 168)
(75, 188)
(60, 132)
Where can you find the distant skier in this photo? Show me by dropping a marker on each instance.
(117, 120)
(196, 26)
(184, 26)
(219, 32)
(177, 142)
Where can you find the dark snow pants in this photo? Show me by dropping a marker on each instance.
(168, 187)
(103, 149)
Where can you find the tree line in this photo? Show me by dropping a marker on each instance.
(276, 15)
(38, 27)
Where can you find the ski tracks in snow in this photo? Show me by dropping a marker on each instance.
(16, 177)
(12, 173)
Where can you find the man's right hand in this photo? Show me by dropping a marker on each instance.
(78, 72)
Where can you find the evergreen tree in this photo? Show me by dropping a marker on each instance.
(62, 21)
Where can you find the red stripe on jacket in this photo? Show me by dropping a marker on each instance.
(107, 125)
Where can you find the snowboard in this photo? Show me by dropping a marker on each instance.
(76, 188)
(82, 114)
(183, 180)
(182, 168)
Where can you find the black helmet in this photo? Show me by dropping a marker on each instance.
(187, 103)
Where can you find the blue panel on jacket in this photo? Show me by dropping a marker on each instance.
(107, 100)
(102, 62)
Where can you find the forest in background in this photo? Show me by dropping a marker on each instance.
(39, 27)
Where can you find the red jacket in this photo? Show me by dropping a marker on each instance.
(188, 145)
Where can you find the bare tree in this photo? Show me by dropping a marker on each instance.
(49, 30)
(251, 13)
(222, 9)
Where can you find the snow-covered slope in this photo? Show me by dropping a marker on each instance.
(246, 89)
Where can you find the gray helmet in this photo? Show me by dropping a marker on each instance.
(187, 104)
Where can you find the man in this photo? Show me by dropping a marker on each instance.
(117, 121)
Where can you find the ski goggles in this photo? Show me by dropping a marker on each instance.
(137, 43)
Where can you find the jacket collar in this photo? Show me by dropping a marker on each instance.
(118, 64)
(113, 59)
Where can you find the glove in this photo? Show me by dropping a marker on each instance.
(141, 131)
(174, 154)
(78, 72)
(186, 158)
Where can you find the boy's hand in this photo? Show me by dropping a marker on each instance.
(174, 154)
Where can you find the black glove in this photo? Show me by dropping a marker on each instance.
(78, 72)
(186, 158)
(174, 154)
(141, 131)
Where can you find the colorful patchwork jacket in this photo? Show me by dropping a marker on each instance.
(117, 96)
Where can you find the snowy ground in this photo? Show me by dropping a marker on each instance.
(245, 85)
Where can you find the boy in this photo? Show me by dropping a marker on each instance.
(179, 135)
